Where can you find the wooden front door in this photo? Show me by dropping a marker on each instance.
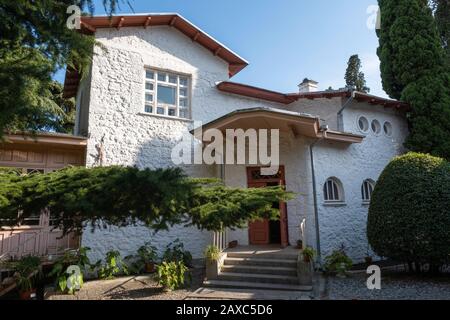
(259, 230)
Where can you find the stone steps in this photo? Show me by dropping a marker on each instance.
(265, 256)
(251, 269)
(259, 269)
(255, 285)
(261, 278)
(261, 262)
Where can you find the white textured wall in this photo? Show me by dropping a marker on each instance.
(352, 165)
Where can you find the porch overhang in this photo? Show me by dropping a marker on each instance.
(47, 139)
(299, 124)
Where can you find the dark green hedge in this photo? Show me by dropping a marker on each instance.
(409, 214)
(123, 195)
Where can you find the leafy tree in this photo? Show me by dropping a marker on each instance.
(409, 218)
(414, 69)
(34, 43)
(122, 196)
(354, 77)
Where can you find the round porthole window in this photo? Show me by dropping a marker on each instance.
(376, 127)
(387, 127)
(363, 124)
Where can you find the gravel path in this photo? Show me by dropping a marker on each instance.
(131, 288)
(394, 286)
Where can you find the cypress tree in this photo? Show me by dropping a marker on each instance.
(414, 69)
(354, 77)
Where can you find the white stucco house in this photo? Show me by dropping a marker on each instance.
(159, 74)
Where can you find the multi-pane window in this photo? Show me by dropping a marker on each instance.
(367, 189)
(167, 94)
(332, 190)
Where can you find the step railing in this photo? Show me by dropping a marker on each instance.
(220, 240)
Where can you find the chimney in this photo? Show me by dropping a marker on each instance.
(308, 86)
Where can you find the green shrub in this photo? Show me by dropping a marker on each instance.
(24, 270)
(175, 252)
(145, 254)
(308, 254)
(113, 265)
(212, 253)
(171, 275)
(338, 262)
(409, 214)
(70, 282)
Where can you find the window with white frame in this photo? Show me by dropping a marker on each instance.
(333, 191)
(367, 189)
(167, 94)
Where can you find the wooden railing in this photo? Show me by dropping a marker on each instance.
(220, 240)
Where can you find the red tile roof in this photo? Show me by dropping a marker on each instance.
(89, 25)
(288, 98)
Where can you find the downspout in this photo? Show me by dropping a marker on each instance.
(340, 120)
(316, 209)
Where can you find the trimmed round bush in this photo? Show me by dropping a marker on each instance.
(409, 214)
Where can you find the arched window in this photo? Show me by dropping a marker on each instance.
(332, 190)
(367, 189)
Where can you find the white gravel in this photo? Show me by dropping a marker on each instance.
(394, 286)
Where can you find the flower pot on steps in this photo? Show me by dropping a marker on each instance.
(305, 271)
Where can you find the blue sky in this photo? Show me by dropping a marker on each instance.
(284, 41)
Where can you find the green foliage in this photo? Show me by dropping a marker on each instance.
(113, 266)
(145, 254)
(172, 275)
(27, 269)
(441, 10)
(409, 217)
(148, 253)
(308, 254)
(354, 77)
(212, 253)
(34, 44)
(409, 44)
(69, 282)
(338, 262)
(122, 196)
(415, 68)
(175, 252)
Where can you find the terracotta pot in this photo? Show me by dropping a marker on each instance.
(233, 244)
(150, 267)
(26, 295)
(306, 259)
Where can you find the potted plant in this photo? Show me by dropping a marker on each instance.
(148, 256)
(27, 269)
(308, 254)
(368, 260)
(25, 286)
(212, 256)
(299, 244)
(338, 263)
(233, 244)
